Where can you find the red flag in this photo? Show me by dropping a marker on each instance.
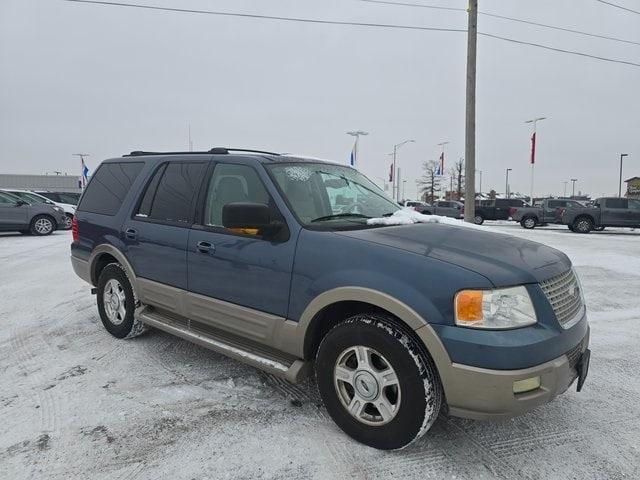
(391, 173)
(533, 148)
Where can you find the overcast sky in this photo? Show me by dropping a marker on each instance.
(107, 80)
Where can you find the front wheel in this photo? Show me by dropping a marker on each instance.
(376, 383)
(528, 223)
(582, 225)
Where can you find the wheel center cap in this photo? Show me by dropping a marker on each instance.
(366, 385)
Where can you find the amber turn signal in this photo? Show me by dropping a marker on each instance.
(469, 306)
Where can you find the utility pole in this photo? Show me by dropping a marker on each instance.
(622, 155)
(470, 123)
(506, 184)
(396, 175)
(573, 187)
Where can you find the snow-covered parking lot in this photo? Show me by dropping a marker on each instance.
(75, 403)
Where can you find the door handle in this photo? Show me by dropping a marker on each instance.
(131, 233)
(205, 247)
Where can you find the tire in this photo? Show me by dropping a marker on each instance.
(117, 302)
(478, 219)
(42, 225)
(582, 225)
(68, 219)
(570, 227)
(409, 404)
(528, 222)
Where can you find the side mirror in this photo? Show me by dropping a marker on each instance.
(250, 216)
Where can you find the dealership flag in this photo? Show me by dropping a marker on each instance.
(85, 173)
(440, 167)
(354, 154)
(533, 148)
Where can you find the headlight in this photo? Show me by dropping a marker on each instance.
(494, 309)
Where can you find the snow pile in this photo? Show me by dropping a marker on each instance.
(408, 216)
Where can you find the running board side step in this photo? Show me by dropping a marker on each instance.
(293, 371)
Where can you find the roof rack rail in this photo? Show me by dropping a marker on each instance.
(213, 151)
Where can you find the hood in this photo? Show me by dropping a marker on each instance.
(503, 259)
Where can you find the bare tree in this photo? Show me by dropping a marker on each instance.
(459, 177)
(429, 182)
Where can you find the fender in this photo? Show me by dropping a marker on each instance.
(119, 256)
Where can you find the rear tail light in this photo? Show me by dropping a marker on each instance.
(74, 229)
(462, 209)
(416, 209)
(512, 211)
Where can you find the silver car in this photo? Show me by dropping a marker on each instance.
(18, 215)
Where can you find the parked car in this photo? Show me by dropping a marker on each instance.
(420, 207)
(497, 209)
(18, 215)
(445, 208)
(70, 198)
(548, 211)
(605, 212)
(247, 253)
(33, 197)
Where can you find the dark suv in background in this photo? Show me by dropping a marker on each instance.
(18, 215)
(253, 255)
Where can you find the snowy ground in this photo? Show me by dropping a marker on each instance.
(76, 403)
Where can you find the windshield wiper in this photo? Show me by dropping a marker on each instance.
(339, 215)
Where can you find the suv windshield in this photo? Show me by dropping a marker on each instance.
(330, 195)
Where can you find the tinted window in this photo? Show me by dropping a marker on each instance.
(67, 198)
(555, 204)
(144, 210)
(634, 204)
(230, 184)
(175, 193)
(4, 198)
(51, 196)
(108, 187)
(616, 203)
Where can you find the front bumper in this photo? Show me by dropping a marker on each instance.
(480, 394)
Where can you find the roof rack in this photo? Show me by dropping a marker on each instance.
(213, 151)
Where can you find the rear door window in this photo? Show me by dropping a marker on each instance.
(171, 194)
(616, 203)
(108, 187)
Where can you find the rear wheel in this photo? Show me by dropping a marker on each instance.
(478, 219)
(377, 384)
(528, 223)
(42, 225)
(68, 219)
(117, 302)
(582, 225)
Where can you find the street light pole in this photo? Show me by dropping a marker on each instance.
(565, 189)
(533, 148)
(622, 155)
(573, 187)
(396, 186)
(403, 187)
(356, 133)
(470, 120)
(506, 184)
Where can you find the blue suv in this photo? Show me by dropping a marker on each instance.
(298, 266)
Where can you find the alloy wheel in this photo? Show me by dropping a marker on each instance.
(43, 226)
(115, 302)
(367, 385)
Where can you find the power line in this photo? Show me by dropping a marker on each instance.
(615, 5)
(268, 17)
(504, 17)
(343, 23)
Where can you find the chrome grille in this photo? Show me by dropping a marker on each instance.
(563, 292)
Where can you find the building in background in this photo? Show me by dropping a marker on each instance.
(53, 183)
(633, 187)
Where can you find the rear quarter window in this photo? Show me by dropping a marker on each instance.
(108, 187)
